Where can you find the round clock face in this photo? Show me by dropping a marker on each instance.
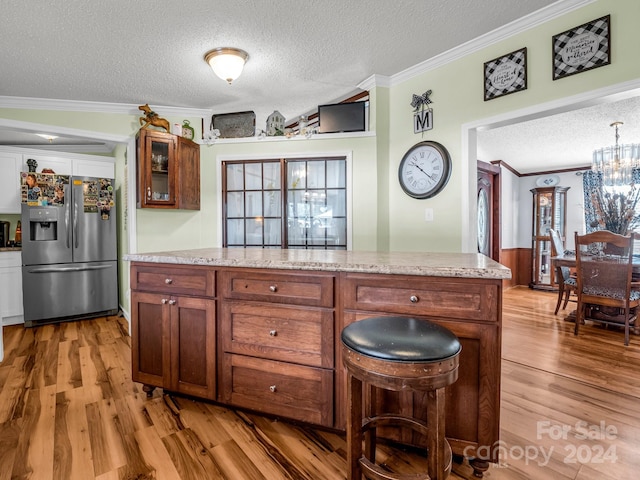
(424, 170)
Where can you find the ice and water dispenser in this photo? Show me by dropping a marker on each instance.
(44, 223)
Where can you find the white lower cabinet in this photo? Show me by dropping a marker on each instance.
(11, 310)
(10, 168)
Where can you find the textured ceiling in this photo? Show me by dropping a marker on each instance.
(302, 54)
(565, 140)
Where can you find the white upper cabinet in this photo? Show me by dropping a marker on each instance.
(94, 168)
(59, 165)
(13, 161)
(10, 168)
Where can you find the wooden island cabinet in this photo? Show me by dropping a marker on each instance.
(264, 328)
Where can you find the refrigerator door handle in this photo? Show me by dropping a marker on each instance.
(68, 269)
(75, 222)
(67, 210)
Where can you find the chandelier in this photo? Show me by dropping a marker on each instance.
(617, 162)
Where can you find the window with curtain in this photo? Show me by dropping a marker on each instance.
(285, 203)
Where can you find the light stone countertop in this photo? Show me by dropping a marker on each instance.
(461, 265)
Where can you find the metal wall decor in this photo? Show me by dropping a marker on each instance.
(506, 74)
(582, 48)
(422, 118)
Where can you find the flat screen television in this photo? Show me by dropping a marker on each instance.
(341, 117)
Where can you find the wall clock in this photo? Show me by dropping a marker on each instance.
(424, 170)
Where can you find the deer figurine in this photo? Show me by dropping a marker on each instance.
(152, 118)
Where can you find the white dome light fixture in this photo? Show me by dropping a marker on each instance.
(227, 62)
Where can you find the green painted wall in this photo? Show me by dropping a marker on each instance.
(458, 99)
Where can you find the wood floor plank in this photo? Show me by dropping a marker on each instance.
(9, 436)
(34, 454)
(73, 455)
(192, 459)
(155, 454)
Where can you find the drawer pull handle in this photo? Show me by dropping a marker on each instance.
(168, 281)
(272, 388)
(414, 299)
(273, 288)
(273, 333)
(172, 302)
(164, 301)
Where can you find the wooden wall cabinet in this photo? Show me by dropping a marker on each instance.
(174, 332)
(168, 171)
(549, 213)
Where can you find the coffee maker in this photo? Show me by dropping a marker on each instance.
(4, 233)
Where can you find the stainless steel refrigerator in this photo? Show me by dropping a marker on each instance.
(69, 248)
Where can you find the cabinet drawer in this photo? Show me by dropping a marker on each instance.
(278, 388)
(466, 299)
(290, 334)
(314, 289)
(179, 279)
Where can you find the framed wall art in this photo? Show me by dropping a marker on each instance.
(582, 48)
(506, 74)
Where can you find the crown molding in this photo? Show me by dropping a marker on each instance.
(31, 103)
(527, 22)
(375, 81)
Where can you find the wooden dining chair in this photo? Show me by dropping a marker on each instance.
(567, 284)
(604, 268)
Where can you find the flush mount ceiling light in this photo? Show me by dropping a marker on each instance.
(617, 162)
(47, 136)
(227, 62)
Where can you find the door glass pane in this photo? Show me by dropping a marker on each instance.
(254, 231)
(315, 174)
(336, 203)
(235, 178)
(160, 171)
(235, 232)
(296, 175)
(254, 204)
(235, 204)
(271, 176)
(272, 231)
(253, 176)
(336, 173)
(272, 204)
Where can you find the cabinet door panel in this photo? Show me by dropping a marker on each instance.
(10, 168)
(149, 338)
(193, 340)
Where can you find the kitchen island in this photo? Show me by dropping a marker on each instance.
(260, 329)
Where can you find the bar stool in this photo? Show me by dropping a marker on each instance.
(399, 354)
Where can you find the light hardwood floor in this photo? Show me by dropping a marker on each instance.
(68, 410)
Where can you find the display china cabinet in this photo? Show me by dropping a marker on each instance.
(549, 212)
(168, 171)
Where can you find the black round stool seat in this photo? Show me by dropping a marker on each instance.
(401, 339)
(402, 354)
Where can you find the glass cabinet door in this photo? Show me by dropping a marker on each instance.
(549, 205)
(159, 171)
(157, 164)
